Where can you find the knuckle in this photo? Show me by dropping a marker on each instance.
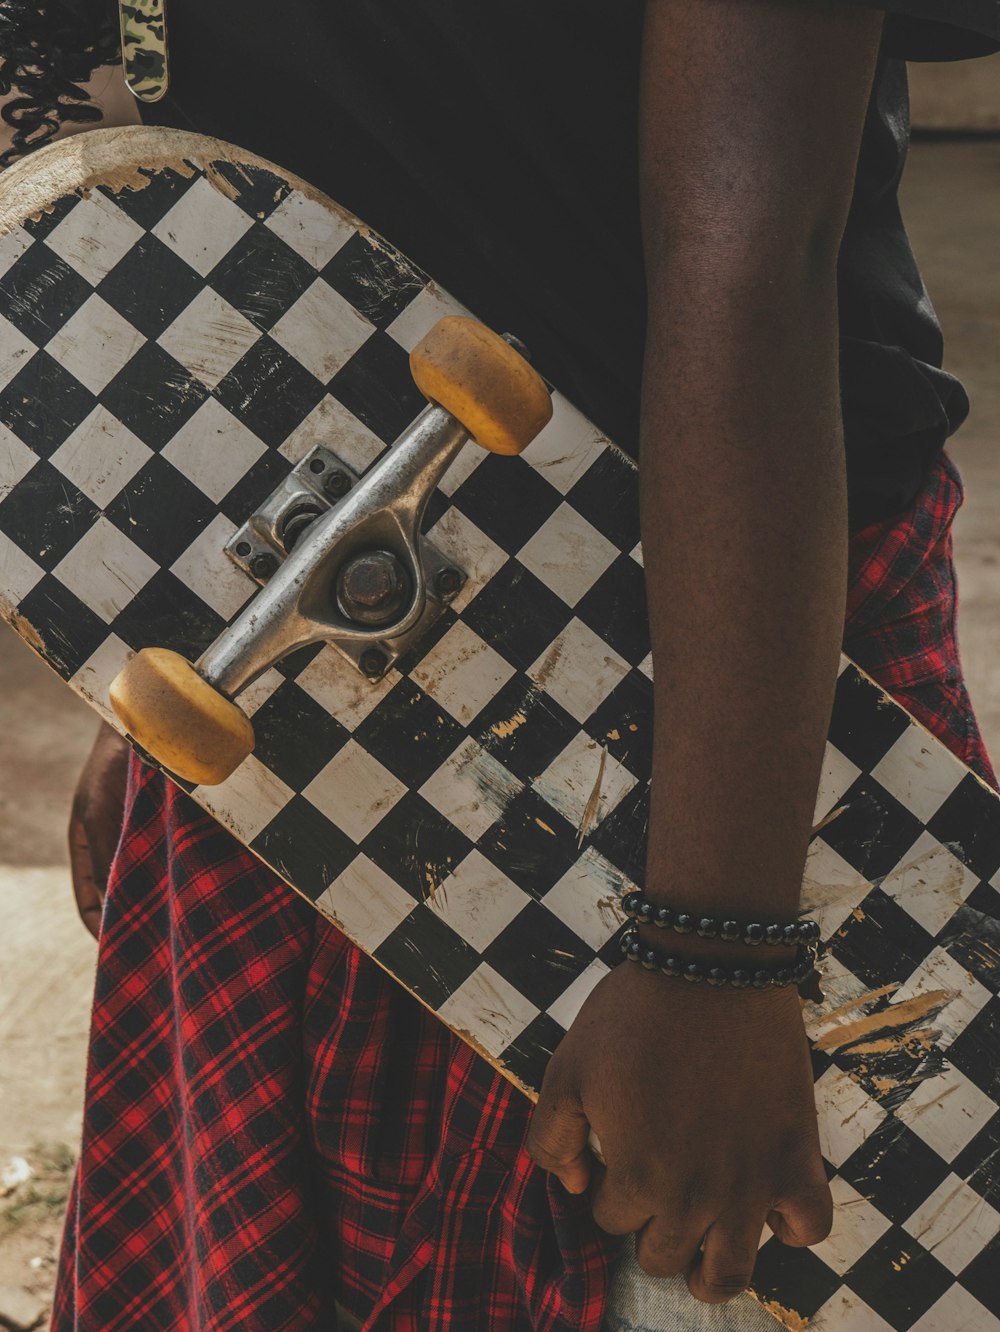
(813, 1215)
(550, 1162)
(727, 1267)
(547, 1148)
(722, 1286)
(549, 1158)
(814, 1229)
(604, 1212)
(609, 1213)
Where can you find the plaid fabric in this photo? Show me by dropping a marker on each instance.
(901, 607)
(272, 1124)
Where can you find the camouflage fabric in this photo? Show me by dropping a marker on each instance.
(144, 48)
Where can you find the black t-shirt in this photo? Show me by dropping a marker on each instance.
(495, 144)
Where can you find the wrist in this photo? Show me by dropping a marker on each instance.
(748, 882)
(731, 897)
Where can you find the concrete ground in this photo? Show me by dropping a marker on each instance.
(952, 203)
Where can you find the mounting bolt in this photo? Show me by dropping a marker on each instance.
(264, 566)
(336, 484)
(373, 663)
(447, 582)
(243, 549)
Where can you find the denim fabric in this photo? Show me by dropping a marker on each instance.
(641, 1303)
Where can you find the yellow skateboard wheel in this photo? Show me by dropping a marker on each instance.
(472, 373)
(179, 719)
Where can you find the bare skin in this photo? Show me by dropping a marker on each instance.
(702, 1099)
(95, 823)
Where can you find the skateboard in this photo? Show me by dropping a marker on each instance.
(373, 593)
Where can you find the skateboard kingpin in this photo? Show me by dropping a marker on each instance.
(413, 674)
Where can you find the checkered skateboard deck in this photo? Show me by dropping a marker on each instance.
(180, 324)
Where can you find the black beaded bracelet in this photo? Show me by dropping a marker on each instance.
(740, 978)
(644, 912)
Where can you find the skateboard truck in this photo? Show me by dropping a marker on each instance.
(340, 557)
(354, 571)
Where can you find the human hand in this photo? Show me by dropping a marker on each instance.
(703, 1103)
(95, 823)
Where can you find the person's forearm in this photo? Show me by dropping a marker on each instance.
(744, 531)
(701, 1095)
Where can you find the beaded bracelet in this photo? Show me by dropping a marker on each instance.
(740, 978)
(644, 912)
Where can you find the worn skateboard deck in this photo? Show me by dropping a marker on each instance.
(180, 323)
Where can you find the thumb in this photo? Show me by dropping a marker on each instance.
(557, 1137)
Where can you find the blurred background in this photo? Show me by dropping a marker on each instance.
(951, 201)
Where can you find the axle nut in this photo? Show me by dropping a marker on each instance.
(374, 588)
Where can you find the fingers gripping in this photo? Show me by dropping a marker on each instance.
(85, 886)
(666, 1248)
(806, 1218)
(557, 1137)
(726, 1264)
(620, 1199)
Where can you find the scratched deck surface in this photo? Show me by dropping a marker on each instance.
(168, 349)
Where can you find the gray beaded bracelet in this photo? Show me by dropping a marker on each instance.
(739, 978)
(644, 912)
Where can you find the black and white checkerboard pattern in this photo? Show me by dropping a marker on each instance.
(166, 355)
